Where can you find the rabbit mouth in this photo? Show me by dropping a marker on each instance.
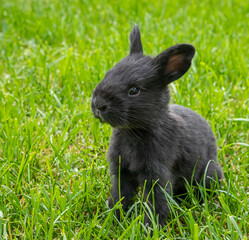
(104, 119)
(113, 122)
(109, 117)
(101, 120)
(98, 115)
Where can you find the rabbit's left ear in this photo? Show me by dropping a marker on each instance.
(174, 62)
(135, 39)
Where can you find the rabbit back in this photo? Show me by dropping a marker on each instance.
(197, 144)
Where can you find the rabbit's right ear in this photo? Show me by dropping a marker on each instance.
(135, 39)
(174, 62)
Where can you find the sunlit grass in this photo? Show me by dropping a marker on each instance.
(54, 178)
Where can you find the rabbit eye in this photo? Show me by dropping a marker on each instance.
(133, 91)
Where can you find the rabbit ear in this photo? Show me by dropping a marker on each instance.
(136, 44)
(175, 61)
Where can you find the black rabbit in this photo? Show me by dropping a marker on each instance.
(155, 141)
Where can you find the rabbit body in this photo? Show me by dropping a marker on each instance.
(153, 141)
(180, 147)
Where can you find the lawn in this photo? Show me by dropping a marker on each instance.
(54, 178)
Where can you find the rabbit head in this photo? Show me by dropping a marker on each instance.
(134, 92)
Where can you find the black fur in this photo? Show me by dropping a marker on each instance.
(155, 141)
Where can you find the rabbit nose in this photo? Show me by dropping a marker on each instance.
(99, 105)
(101, 108)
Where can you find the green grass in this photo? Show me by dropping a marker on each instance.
(54, 178)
